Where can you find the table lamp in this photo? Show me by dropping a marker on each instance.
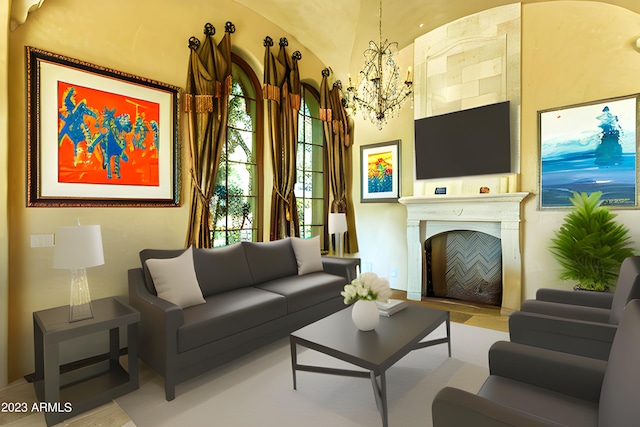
(338, 225)
(78, 248)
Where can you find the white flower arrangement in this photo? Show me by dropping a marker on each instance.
(368, 287)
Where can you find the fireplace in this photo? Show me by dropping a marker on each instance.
(463, 265)
(494, 214)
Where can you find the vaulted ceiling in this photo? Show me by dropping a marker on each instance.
(338, 31)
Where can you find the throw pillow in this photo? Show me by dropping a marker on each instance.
(308, 255)
(175, 279)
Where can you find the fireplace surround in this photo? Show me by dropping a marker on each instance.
(496, 214)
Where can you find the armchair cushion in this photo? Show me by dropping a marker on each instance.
(454, 408)
(561, 408)
(569, 374)
(571, 311)
(308, 256)
(175, 279)
(586, 298)
(590, 339)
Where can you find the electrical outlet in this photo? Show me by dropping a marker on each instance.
(394, 273)
(41, 240)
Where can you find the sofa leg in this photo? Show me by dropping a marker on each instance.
(169, 391)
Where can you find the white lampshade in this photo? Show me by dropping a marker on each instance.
(337, 223)
(78, 247)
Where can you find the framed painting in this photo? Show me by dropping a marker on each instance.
(590, 147)
(380, 172)
(99, 137)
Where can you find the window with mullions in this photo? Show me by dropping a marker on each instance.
(235, 204)
(310, 179)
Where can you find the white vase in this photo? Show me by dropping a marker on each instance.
(365, 315)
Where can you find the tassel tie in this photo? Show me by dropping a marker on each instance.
(326, 114)
(271, 92)
(203, 103)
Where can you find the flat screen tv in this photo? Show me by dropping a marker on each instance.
(470, 142)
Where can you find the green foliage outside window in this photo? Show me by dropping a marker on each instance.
(233, 203)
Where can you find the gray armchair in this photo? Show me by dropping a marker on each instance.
(577, 322)
(531, 386)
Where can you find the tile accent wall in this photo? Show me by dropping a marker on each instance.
(468, 63)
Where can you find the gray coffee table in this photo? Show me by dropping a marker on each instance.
(375, 351)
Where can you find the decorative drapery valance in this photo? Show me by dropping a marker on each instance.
(338, 135)
(281, 90)
(206, 103)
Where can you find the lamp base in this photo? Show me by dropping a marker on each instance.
(80, 312)
(80, 300)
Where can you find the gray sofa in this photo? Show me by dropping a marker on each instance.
(253, 296)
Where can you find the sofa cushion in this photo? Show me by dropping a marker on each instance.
(221, 269)
(155, 254)
(228, 313)
(270, 260)
(305, 291)
(175, 279)
(308, 256)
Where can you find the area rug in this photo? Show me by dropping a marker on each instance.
(257, 390)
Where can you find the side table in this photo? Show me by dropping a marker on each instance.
(69, 394)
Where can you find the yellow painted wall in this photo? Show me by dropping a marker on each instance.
(4, 240)
(572, 52)
(147, 38)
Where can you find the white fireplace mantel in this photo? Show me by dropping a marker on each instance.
(495, 214)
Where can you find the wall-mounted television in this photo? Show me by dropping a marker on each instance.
(476, 141)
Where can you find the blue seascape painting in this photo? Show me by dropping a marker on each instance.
(589, 148)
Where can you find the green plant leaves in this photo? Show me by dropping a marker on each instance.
(590, 245)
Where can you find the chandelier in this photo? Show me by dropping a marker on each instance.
(380, 92)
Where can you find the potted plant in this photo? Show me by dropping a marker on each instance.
(590, 246)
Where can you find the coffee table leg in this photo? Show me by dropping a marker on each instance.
(449, 333)
(380, 393)
(294, 360)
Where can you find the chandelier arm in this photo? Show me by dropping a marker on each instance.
(380, 24)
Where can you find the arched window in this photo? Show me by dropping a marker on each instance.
(310, 187)
(236, 205)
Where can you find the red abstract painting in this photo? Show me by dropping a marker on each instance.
(106, 138)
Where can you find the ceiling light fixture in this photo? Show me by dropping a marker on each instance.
(380, 92)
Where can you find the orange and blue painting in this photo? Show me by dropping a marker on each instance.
(380, 172)
(106, 138)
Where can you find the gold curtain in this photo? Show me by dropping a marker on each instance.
(281, 91)
(338, 135)
(206, 103)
